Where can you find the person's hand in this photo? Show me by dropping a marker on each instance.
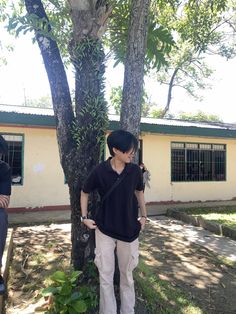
(142, 221)
(90, 223)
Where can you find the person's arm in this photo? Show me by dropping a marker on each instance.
(84, 211)
(142, 206)
(4, 201)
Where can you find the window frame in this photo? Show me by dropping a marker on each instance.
(186, 162)
(140, 151)
(22, 154)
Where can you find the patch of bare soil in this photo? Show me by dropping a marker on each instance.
(38, 251)
(192, 268)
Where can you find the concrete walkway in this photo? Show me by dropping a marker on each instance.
(64, 215)
(219, 245)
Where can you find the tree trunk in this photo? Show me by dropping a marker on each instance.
(134, 67)
(134, 73)
(90, 126)
(79, 135)
(87, 55)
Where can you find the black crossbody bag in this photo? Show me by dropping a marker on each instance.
(117, 182)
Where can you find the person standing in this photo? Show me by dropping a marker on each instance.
(5, 192)
(116, 223)
(146, 175)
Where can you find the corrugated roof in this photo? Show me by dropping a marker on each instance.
(181, 123)
(178, 122)
(31, 116)
(27, 110)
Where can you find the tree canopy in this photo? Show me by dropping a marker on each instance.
(200, 116)
(180, 35)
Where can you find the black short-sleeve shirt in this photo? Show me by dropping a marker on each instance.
(118, 215)
(5, 178)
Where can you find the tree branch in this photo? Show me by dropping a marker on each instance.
(169, 96)
(60, 92)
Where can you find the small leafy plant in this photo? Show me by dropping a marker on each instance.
(64, 298)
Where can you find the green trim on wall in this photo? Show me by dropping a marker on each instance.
(27, 119)
(181, 130)
(13, 118)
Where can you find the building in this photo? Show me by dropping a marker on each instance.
(188, 161)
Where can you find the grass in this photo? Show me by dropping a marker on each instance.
(225, 261)
(223, 215)
(160, 296)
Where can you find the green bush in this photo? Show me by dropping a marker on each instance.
(66, 297)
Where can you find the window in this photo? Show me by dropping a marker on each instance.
(198, 162)
(140, 151)
(14, 157)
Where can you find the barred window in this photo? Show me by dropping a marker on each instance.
(198, 162)
(14, 157)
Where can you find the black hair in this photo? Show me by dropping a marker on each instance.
(121, 140)
(3, 146)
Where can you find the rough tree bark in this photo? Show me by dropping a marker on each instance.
(89, 22)
(134, 67)
(80, 133)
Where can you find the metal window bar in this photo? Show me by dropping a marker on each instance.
(198, 162)
(219, 166)
(14, 156)
(192, 165)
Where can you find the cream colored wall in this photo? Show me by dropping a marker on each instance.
(157, 158)
(43, 182)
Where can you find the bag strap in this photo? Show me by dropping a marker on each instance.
(117, 182)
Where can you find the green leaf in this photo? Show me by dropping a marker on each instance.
(49, 291)
(72, 311)
(66, 290)
(80, 306)
(75, 296)
(59, 276)
(74, 276)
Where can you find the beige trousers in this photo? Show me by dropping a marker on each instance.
(127, 254)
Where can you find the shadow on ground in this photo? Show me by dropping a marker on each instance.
(40, 250)
(192, 268)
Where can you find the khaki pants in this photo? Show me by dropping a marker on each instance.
(127, 253)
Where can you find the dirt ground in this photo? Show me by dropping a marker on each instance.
(192, 268)
(39, 249)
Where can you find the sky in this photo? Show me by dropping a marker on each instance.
(24, 78)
